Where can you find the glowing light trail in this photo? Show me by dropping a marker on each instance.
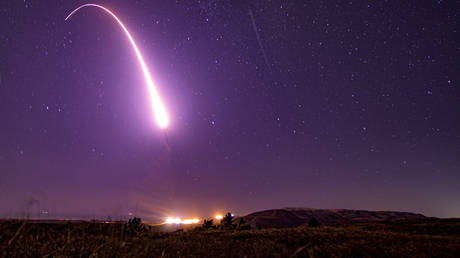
(158, 107)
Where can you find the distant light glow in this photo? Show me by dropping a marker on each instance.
(179, 221)
(219, 217)
(190, 221)
(158, 107)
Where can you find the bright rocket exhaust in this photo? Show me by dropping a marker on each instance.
(159, 109)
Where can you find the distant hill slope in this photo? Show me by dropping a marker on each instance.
(294, 217)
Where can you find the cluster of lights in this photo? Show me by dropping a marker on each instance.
(220, 217)
(178, 221)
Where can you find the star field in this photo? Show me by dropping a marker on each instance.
(323, 104)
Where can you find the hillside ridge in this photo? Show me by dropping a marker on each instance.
(294, 217)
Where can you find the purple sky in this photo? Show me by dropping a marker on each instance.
(322, 104)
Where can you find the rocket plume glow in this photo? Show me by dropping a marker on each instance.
(158, 107)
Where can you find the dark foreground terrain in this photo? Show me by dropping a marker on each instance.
(415, 238)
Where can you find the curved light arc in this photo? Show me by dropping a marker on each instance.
(158, 107)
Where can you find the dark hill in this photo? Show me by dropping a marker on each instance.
(294, 217)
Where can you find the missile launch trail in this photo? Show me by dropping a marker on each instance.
(168, 146)
(159, 109)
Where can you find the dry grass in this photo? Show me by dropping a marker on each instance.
(419, 238)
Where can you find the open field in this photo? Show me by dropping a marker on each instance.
(421, 238)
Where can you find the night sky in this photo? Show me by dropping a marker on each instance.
(321, 104)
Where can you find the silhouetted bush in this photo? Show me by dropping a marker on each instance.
(227, 222)
(208, 224)
(135, 224)
(313, 223)
(242, 225)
